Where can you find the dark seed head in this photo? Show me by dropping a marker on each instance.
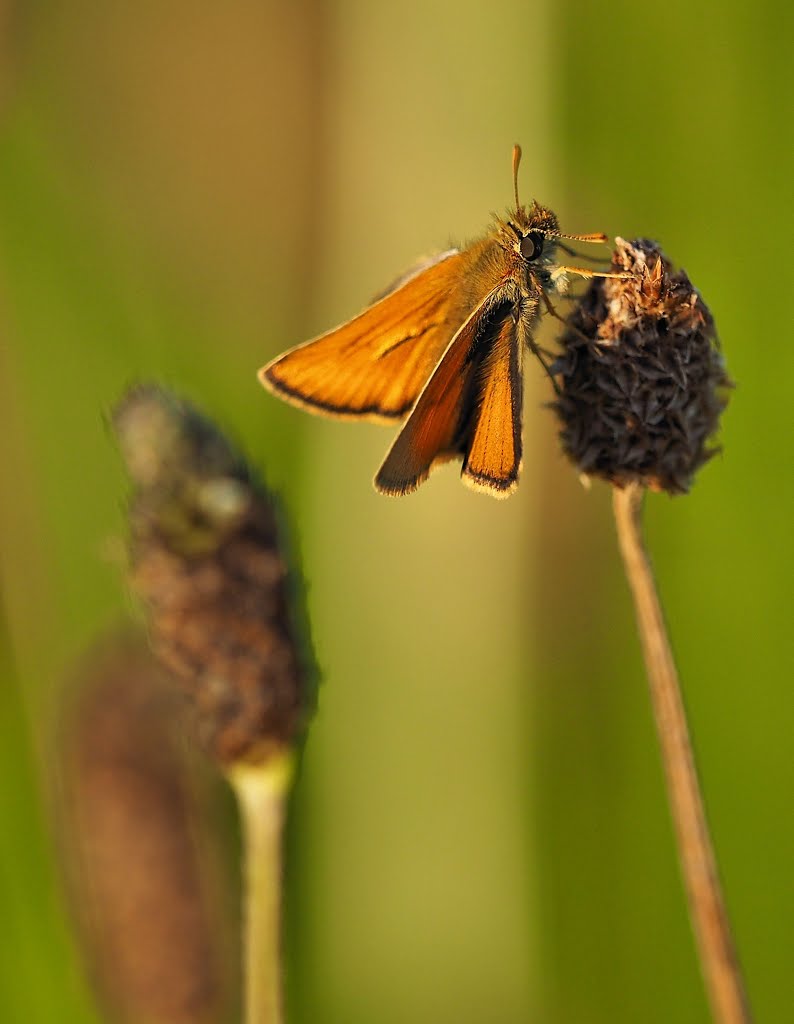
(208, 563)
(642, 381)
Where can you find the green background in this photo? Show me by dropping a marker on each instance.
(479, 831)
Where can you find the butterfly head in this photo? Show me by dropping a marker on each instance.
(528, 231)
(532, 228)
(531, 233)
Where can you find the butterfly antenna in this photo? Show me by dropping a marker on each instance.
(516, 162)
(597, 236)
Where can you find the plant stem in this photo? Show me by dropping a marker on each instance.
(719, 963)
(261, 794)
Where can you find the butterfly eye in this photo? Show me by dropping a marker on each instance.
(531, 245)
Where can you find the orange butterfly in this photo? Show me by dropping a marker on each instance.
(443, 345)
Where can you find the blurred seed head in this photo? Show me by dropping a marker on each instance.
(142, 870)
(206, 559)
(642, 380)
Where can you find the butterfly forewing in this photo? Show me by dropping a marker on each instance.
(440, 423)
(375, 365)
(492, 459)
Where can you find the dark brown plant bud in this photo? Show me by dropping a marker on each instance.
(642, 381)
(142, 868)
(207, 561)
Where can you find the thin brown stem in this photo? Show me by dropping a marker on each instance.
(718, 958)
(261, 794)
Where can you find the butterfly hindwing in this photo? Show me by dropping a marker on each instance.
(492, 460)
(375, 365)
(448, 408)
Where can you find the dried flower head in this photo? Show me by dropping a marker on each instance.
(207, 562)
(642, 381)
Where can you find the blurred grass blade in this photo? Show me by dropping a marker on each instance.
(140, 868)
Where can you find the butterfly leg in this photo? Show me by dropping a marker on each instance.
(541, 354)
(582, 256)
(552, 310)
(538, 353)
(584, 272)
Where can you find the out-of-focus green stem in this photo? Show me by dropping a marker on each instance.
(262, 794)
(718, 958)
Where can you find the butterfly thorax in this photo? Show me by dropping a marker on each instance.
(516, 257)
